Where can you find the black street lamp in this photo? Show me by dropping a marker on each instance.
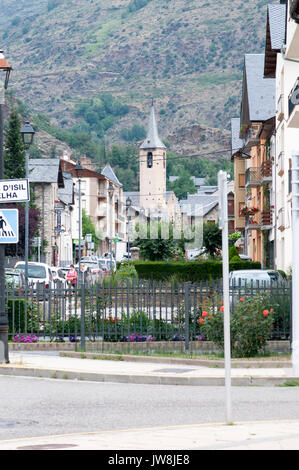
(128, 205)
(27, 133)
(5, 69)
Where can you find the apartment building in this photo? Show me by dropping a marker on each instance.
(257, 124)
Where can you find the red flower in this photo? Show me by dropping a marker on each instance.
(241, 300)
(201, 320)
(266, 312)
(221, 309)
(271, 309)
(204, 314)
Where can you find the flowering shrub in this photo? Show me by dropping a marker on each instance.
(244, 211)
(251, 325)
(25, 338)
(137, 338)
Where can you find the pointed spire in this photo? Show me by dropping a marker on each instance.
(152, 140)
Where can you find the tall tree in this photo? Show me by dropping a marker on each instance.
(15, 153)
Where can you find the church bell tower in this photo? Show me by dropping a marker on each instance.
(152, 162)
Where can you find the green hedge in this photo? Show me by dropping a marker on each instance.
(184, 271)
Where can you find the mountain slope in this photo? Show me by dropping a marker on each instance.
(186, 54)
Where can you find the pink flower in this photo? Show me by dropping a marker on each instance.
(266, 312)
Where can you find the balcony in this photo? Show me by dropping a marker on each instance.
(266, 219)
(280, 108)
(102, 193)
(260, 220)
(102, 211)
(253, 177)
(293, 101)
(266, 171)
(251, 138)
(281, 220)
(280, 164)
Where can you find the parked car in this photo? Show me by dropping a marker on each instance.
(15, 278)
(58, 275)
(37, 273)
(255, 277)
(111, 264)
(258, 279)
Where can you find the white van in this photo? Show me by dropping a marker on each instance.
(37, 273)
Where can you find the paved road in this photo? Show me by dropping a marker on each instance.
(39, 407)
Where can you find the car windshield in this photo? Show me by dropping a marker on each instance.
(34, 271)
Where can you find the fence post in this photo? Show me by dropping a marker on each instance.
(82, 335)
(187, 316)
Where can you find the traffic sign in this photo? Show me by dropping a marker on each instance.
(14, 190)
(9, 226)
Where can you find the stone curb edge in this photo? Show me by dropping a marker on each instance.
(265, 364)
(139, 378)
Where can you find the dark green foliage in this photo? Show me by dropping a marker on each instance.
(185, 271)
(183, 185)
(16, 316)
(233, 253)
(212, 238)
(15, 153)
(134, 134)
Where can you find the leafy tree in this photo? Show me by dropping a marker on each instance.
(159, 248)
(88, 227)
(15, 152)
(183, 185)
(212, 238)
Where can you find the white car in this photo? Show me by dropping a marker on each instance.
(58, 275)
(37, 273)
(107, 262)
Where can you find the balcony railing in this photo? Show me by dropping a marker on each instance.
(253, 177)
(260, 220)
(266, 171)
(102, 211)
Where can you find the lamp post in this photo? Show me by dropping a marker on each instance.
(128, 205)
(111, 192)
(27, 133)
(5, 69)
(79, 173)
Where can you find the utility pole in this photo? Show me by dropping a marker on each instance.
(223, 225)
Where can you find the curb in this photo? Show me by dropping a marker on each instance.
(235, 363)
(139, 378)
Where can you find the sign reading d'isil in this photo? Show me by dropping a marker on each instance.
(14, 190)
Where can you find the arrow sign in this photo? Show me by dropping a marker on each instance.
(14, 190)
(9, 226)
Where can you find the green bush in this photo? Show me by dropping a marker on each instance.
(187, 271)
(233, 253)
(250, 325)
(16, 316)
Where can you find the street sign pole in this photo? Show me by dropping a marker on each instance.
(3, 313)
(223, 225)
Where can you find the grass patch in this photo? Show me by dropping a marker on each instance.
(289, 383)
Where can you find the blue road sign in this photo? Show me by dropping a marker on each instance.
(9, 226)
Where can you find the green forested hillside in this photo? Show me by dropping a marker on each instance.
(186, 54)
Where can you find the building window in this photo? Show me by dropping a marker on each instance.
(149, 160)
(242, 180)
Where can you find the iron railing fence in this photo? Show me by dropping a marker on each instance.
(133, 310)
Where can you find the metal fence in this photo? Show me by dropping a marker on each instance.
(135, 310)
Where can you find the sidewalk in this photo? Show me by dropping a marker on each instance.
(172, 372)
(256, 435)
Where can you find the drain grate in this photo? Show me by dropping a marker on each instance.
(47, 447)
(175, 371)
